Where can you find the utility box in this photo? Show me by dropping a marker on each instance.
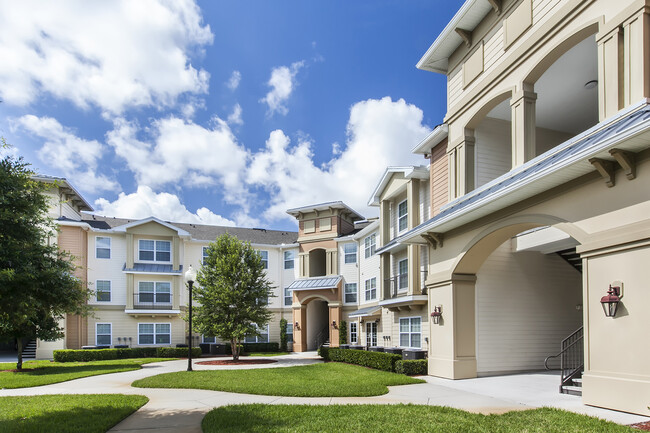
(414, 354)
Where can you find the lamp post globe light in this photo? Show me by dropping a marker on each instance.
(190, 277)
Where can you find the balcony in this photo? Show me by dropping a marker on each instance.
(149, 303)
(397, 285)
(397, 297)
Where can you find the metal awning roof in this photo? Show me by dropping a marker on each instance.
(316, 283)
(152, 268)
(366, 312)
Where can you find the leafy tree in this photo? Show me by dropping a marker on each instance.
(343, 332)
(283, 335)
(232, 292)
(37, 282)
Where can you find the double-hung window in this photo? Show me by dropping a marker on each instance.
(371, 289)
(353, 332)
(265, 258)
(288, 296)
(410, 333)
(154, 292)
(402, 216)
(370, 245)
(350, 253)
(289, 332)
(351, 293)
(102, 247)
(403, 276)
(288, 260)
(204, 254)
(154, 333)
(209, 339)
(103, 336)
(103, 290)
(263, 336)
(154, 251)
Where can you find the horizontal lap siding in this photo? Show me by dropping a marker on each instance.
(439, 177)
(526, 305)
(493, 150)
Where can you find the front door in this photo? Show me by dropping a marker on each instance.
(371, 334)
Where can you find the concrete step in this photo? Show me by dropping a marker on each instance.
(577, 381)
(572, 390)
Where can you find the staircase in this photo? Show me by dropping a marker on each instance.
(571, 363)
(29, 351)
(323, 338)
(572, 258)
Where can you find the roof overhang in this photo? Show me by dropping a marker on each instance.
(125, 227)
(316, 283)
(366, 312)
(409, 172)
(299, 211)
(470, 14)
(629, 130)
(66, 187)
(404, 301)
(438, 134)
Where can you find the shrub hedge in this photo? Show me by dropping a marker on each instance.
(412, 367)
(255, 347)
(377, 360)
(70, 355)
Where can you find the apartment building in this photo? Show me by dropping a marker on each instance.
(540, 244)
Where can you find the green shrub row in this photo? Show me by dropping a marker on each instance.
(413, 367)
(70, 355)
(255, 347)
(377, 360)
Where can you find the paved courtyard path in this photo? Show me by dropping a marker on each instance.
(181, 410)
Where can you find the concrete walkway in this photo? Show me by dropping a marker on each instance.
(181, 410)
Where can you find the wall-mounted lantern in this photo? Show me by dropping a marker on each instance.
(611, 300)
(334, 324)
(297, 326)
(436, 314)
(377, 320)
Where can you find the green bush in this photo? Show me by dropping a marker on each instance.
(412, 367)
(283, 335)
(323, 352)
(177, 352)
(343, 332)
(377, 360)
(255, 347)
(84, 355)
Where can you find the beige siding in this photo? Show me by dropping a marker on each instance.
(123, 325)
(493, 150)
(425, 202)
(439, 177)
(390, 326)
(108, 269)
(542, 9)
(526, 305)
(368, 268)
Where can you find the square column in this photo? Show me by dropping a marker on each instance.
(335, 316)
(300, 331)
(523, 126)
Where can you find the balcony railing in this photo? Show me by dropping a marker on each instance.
(397, 285)
(152, 301)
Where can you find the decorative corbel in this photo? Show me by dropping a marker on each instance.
(466, 35)
(433, 239)
(316, 212)
(605, 168)
(496, 5)
(626, 160)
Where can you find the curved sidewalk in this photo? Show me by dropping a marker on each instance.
(181, 410)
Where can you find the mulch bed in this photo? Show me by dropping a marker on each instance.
(240, 362)
(645, 426)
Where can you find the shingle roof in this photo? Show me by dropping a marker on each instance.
(206, 232)
(315, 283)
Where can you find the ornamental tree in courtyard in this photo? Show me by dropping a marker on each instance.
(232, 292)
(37, 282)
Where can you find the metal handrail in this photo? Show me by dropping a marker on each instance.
(571, 357)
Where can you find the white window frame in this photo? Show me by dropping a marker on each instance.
(264, 254)
(369, 335)
(257, 337)
(350, 257)
(370, 245)
(155, 251)
(110, 290)
(354, 333)
(203, 254)
(289, 263)
(402, 217)
(110, 334)
(205, 339)
(288, 296)
(410, 333)
(155, 292)
(289, 332)
(369, 289)
(401, 288)
(346, 293)
(155, 334)
(103, 248)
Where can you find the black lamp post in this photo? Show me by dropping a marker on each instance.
(190, 277)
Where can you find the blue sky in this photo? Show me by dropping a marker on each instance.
(219, 112)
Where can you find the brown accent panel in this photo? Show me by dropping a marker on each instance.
(439, 174)
(75, 241)
(76, 332)
(305, 247)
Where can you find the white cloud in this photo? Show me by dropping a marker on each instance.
(112, 55)
(282, 84)
(145, 203)
(380, 133)
(233, 81)
(64, 152)
(235, 118)
(179, 151)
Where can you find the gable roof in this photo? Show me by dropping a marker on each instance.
(410, 172)
(65, 186)
(125, 227)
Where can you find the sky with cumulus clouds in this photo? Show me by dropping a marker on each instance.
(219, 112)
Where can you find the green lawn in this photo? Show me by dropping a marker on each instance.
(45, 372)
(258, 418)
(267, 354)
(66, 413)
(318, 380)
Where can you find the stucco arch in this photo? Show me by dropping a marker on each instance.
(484, 243)
(554, 53)
(499, 97)
(307, 299)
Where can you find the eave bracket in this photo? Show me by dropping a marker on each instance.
(496, 5)
(605, 168)
(466, 35)
(433, 239)
(626, 161)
